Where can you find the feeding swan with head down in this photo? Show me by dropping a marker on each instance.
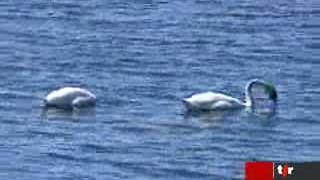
(69, 98)
(214, 100)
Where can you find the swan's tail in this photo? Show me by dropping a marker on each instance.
(43, 100)
(187, 104)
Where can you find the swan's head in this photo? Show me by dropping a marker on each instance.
(269, 89)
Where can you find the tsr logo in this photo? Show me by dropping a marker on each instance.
(285, 170)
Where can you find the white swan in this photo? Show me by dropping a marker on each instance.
(70, 97)
(213, 100)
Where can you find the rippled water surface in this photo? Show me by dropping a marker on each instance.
(141, 58)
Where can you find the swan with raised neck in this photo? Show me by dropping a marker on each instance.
(213, 100)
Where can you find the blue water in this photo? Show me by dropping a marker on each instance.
(141, 58)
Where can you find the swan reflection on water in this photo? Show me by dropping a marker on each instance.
(58, 113)
(264, 113)
(209, 118)
(214, 117)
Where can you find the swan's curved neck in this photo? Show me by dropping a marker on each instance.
(248, 99)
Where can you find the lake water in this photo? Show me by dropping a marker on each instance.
(141, 58)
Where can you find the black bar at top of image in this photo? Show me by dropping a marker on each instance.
(301, 171)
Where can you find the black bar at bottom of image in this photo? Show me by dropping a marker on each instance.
(297, 171)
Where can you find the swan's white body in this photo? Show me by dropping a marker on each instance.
(213, 100)
(70, 97)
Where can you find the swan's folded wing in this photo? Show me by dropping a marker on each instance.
(83, 102)
(222, 105)
(208, 100)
